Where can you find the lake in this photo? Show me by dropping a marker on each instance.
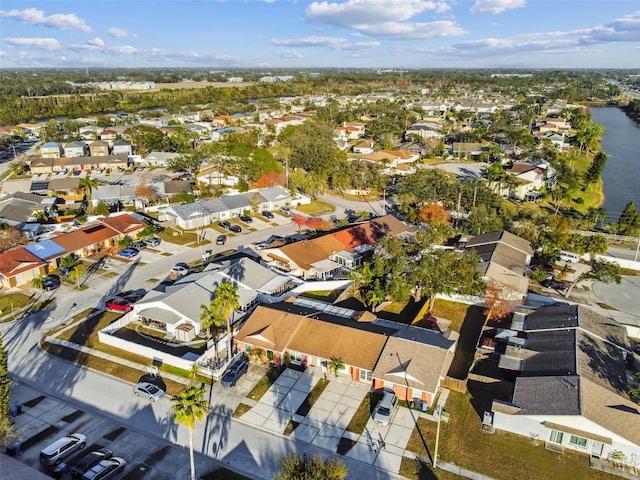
(621, 175)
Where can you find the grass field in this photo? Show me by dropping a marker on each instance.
(316, 207)
(502, 455)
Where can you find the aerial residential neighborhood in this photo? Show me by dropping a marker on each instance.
(369, 274)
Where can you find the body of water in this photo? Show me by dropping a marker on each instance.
(621, 175)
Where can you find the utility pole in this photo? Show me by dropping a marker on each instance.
(435, 453)
(475, 192)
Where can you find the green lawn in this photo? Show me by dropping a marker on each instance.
(328, 296)
(502, 455)
(174, 236)
(455, 311)
(315, 208)
(361, 417)
(265, 382)
(13, 301)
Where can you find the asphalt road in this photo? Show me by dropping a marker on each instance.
(243, 448)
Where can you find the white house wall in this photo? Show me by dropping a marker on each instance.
(533, 427)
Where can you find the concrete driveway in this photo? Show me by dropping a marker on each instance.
(326, 423)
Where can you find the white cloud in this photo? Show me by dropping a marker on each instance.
(49, 44)
(288, 54)
(369, 12)
(96, 42)
(335, 43)
(307, 41)
(496, 6)
(62, 21)
(443, 28)
(384, 18)
(118, 32)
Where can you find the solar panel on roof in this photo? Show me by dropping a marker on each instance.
(39, 185)
(94, 229)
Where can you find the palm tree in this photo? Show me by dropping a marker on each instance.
(226, 301)
(38, 283)
(77, 273)
(40, 216)
(336, 365)
(212, 320)
(87, 184)
(189, 408)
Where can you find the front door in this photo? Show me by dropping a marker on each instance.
(596, 449)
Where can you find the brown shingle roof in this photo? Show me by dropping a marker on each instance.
(414, 364)
(355, 347)
(268, 328)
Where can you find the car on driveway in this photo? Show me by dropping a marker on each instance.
(50, 283)
(246, 218)
(555, 285)
(138, 245)
(234, 372)
(128, 253)
(385, 408)
(224, 224)
(235, 228)
(152, 242)
(148, 390)
(286, 210)
(105, 469)
(89, 460)
(221, 240)
(180, 269)
(133, 296)
(267, 214)
(119, 305)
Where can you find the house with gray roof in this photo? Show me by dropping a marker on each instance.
(504, 258)
(122, 147)
(206, 212)
(76, 149)
(158, 159)
(572, 390)
(179, 305)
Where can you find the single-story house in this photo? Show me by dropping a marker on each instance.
(572, 390)
(19, 267)
(410, 360)
(332, 254)
(21, 207)
(124, 223)
(180, 303)
(158, 159)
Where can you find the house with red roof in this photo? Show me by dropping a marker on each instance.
(19, 266)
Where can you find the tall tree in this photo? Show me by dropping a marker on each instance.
(77, 273)
(88, 184)
(294, 466)
(629, 221)
(595, 170)
(211, 319)
(6, 427)
(600, 271)
(189, 408)
(226, 300)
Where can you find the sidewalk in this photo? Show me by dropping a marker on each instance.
(97, 353)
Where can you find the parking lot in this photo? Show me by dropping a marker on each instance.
(44, 419)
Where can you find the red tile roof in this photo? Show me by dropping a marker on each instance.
(17, 261)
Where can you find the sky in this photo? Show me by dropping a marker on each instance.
(379, 34)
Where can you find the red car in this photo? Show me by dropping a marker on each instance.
(119, 304)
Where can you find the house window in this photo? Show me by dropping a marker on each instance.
(578, 441)
(296, 357)
(555, 437)
(366, 375)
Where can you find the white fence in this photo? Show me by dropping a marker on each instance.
(624, 263)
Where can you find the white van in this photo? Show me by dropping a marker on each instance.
(569, 257)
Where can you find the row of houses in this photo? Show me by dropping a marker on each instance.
(19, 266)
(80, 148)
(45, 166)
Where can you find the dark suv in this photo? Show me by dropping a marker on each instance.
(89, 460)
(267, 214)
(235, 228)
(224, 224)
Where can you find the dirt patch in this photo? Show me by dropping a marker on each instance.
(111, 436)
(34, 401)
(72, 416)
(344, 445)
